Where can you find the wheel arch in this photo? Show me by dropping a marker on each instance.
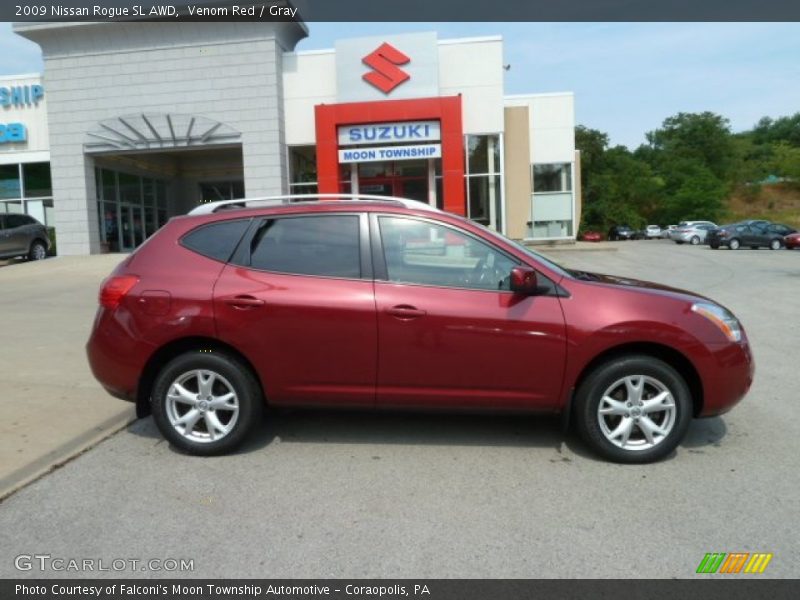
(674, 358)
(175, 348)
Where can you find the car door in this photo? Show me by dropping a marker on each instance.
(16, 238)
(450, 333)
(297, 299)
(4, 246)
(757, 235)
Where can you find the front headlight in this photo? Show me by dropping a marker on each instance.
(721, 318)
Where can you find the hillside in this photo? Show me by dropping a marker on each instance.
(776, 202)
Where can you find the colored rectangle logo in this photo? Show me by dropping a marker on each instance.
(734, 563)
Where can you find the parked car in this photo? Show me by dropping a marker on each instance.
(621, 232)
(792, 241)
(755, 234)
(389, 303)
(694, 234)
(665, 233)
(652, 232)
(781, 229)
(22, 235)
(591, 236)
(679, 234)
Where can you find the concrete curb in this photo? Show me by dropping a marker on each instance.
(61, 455)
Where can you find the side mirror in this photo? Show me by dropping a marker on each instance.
(523, 280)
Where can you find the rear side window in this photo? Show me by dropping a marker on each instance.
(324, 245)
(216, 240)
(18, 221)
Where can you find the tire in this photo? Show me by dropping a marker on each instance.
(695, 240)
(734, 244)
(38, 251)
(230, 376)
(775, 245)
(714, 246)
(610, 380)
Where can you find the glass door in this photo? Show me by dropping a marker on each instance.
(127, 239)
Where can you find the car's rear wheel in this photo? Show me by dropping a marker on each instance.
(205, 402)
(695, 240)
(734, 244)
(714, 246)
(775, 245)
(38, 251)
(633, 409)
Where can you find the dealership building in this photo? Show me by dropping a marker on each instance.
(134, 122)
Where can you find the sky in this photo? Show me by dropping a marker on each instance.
(627, 77)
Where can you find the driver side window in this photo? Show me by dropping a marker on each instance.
(425, 253)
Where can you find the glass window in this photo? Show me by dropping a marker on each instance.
(483, 154)
(12, 206)
(303, 164)
(217, 240)
(130, 189)
(552, 178)
(429, 254)
(320, 245)
(221, 190)
(109, 185)
(36, 177)
(17, 220)
(9, 181)
(484, 199)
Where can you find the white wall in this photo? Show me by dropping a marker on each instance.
(552, 125)
(472, 67)
(34, 117)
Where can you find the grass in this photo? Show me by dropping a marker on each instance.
(779, 203)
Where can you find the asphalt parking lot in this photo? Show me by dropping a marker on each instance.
(319, 494)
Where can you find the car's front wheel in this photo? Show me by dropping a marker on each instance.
(38, 251)
(205, 402)
(633, 409)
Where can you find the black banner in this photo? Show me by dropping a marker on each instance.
(404, 10)
(732, 588)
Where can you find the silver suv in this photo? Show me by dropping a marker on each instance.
(22, 235)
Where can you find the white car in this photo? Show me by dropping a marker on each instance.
(665, 233)
(652, 232)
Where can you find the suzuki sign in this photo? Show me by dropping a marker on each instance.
(385, 74)
(383, 133)
(387, 67)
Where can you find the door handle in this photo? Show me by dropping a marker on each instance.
(406, 311)
(244, 302)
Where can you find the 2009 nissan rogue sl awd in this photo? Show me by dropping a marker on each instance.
(393, 304)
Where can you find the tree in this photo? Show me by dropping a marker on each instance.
(703, 137)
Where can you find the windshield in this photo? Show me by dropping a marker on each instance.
(556, 268)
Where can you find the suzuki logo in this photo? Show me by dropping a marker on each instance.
(385, 74)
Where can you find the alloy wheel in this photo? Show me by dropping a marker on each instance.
(202, 406)
(636, 412)
(39, 253)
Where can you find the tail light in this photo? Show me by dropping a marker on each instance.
(114, 289)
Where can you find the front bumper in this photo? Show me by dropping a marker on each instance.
(727, 374)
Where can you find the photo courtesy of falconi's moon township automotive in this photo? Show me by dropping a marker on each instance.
(366, 302)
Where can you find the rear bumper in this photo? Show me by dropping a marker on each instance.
(115, 357)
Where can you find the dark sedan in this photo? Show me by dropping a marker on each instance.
(621, 232)
(754, 234)
(22, 235)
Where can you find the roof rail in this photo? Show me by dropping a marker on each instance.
(212, 207)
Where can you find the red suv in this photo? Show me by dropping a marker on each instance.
(393, 304)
